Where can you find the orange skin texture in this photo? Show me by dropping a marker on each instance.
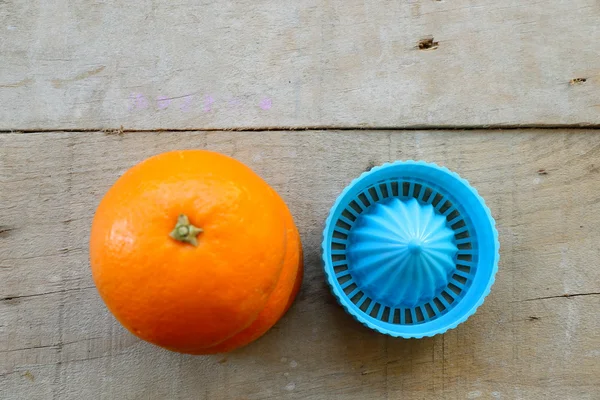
(282, 296)
(185, 298)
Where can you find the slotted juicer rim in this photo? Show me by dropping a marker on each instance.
(476, 257)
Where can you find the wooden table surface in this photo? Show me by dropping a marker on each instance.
(89, 88)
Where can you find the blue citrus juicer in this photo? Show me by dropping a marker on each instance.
(410, 249)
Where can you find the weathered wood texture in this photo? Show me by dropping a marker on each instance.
(148, 64)
(527, 341)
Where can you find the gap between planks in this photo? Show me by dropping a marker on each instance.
(319, 128)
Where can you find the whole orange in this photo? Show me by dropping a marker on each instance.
(193, 251)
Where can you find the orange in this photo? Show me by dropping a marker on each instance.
(194, 252)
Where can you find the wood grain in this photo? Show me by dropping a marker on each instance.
(287, 63)
(528, 341)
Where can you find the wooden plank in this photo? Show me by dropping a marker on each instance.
(198, 65)
(527, 341)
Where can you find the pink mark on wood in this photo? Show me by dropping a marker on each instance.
(266, 104)
(187, 103)
(163, 102)
(208, 102)
(234, 102)
(137, 101)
